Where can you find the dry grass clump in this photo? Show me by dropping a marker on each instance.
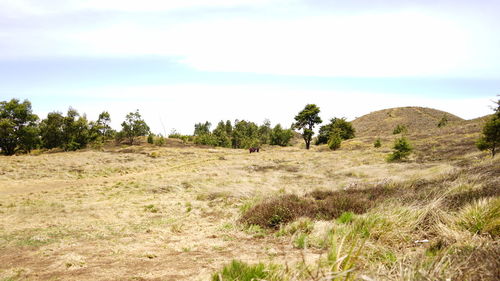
(286, 208)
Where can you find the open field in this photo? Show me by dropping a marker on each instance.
(175, 213)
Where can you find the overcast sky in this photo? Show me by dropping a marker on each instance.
(187, 61)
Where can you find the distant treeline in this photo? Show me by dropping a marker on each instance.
(21, 131)
(242, 134)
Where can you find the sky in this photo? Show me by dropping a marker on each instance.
(189, 61)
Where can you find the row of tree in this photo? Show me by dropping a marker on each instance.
(243, 134)
(21, 130)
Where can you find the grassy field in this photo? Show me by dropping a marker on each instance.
(185, 213)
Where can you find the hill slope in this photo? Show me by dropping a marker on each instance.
(416, 119)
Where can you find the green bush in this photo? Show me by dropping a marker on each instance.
(377, 143)
(335, 141)
(400, 129)
(402, 149)
(151, 138)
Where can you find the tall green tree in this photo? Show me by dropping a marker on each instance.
(343, 128)
(51, 130)
(202, 128)
(280, 136)
(490, 140)
(221, 135)
(245, 134)
(265, 132)
(75, 130)
(18, 127)
(134, 126)
(306, 120)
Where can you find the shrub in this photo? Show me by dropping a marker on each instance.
(399, 129)
(151, 138)
(286, 208)
(402, 149)
(377, 143)
(337, 125)
(334, 141)
(443, 121)
(278, 211)
(159, 141)
(238, 270)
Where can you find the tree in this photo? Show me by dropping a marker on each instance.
(402, 149)
(18, 127)
(245, 134)
(265, 132)
(101, 130)
(490, 139)
(202, 128)
(306, 120)
(75, 131)
(134, 126)
(280, 136)
(345, 129)
(51, 130)
(221, 135)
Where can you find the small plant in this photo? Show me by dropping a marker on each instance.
(402, 149)
(400, 129)
(238, 270)
(151, 138)
(443, 122)
(377, 143)
(151, 208)
(346, 217)
(300, 241)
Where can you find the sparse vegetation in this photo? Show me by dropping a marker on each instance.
(377, 143)
(285, 214)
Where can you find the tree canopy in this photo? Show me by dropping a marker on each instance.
(134, 126)
(18, 127)
(306, 120)
(490, 139)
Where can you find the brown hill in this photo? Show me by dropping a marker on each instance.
(416, 119)
(452, 141)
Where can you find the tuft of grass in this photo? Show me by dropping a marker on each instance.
(241, 271)
(482, 216)
(301, 240)
(346, 217)
(151, 208)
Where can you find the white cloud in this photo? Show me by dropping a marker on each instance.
(407, 42)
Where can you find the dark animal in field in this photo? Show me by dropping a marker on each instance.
(253, 149)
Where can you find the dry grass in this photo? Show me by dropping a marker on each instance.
(121, 214)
